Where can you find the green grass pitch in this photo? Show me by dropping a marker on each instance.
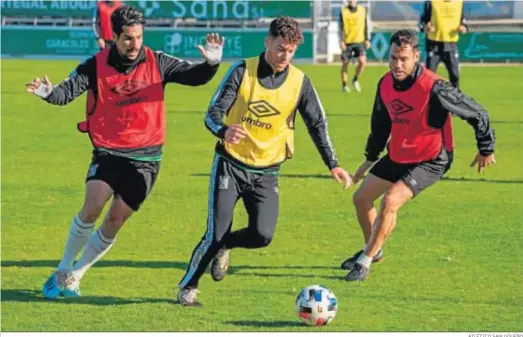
(454, 262)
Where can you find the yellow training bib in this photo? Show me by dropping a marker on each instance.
(446, 19)
(267, 115)
(354, 24)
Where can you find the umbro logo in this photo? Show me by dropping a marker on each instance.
(128, 87)
(262, 109)
(398, 107)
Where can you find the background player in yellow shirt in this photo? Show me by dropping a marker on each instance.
(442, 21)
(354, 41)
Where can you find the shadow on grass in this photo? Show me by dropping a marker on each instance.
(151, 264)
(445, 179)
(31, 295)
(100, 264)
(482, 180)
(267, 324)
(292, 275)
(404, 300)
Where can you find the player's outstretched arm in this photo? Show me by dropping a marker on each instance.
(362, 171)
(380, 128)
(483, 161)
(65, 92)
(175, 70)
(446, 98)
(341, 176)
(40, 88)
(313, 115)
(212, 52)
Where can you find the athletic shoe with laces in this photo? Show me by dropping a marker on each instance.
(53, 286)
(356, 86)
(187, 297)
(72, 286)
(220, 265)
(358, 273)
(351, 261)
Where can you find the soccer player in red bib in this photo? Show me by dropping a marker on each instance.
(412, 111)
(125, 121)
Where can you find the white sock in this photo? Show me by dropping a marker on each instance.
(79, 233)
(96, 247)
(364, 247)
(364, 260)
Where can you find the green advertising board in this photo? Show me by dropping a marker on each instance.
(60, 42)
(198, 9)
(473, 47)
(79, 43)
(40, 8)
(219, 10)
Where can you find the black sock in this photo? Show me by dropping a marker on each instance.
(344, 83)
(355, 78)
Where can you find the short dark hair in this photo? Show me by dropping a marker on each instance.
(287, 28)
(405, 37)
(126, 16)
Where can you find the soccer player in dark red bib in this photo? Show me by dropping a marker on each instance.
(412, 111)
(125, 121)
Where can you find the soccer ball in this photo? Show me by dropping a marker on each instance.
(316, 305)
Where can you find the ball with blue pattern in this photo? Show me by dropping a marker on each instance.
(316, 305)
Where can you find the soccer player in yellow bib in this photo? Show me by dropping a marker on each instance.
(253, 115)
(442, 21)
(354, 41)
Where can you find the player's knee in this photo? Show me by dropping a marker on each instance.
(262, 238)
(112, 225)
(221, 223)
(116, 221)
(390, 204)
(87, 217)
(90, 213)
(360, 200)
